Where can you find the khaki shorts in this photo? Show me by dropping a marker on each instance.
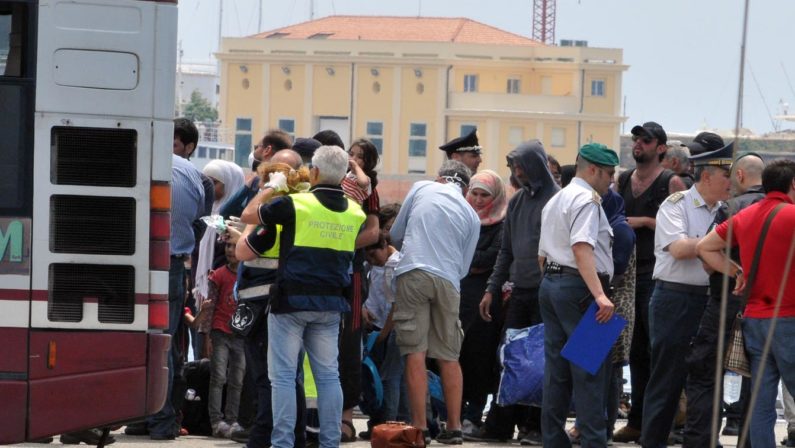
(426, 316)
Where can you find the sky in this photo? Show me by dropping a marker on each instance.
(683, 55)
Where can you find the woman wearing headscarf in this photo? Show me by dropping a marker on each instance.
(478, 352)
(227, 178)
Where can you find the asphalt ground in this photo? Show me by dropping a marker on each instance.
(123, 440)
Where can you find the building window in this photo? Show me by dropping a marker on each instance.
(242, 141)
(287, 125)
(598, 87)
(417, 140)
(515, 135)
(470, 83)
(558, 137)
(546, 85)
(375, 133)
(514, 85)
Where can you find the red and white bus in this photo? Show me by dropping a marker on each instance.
(86, 108)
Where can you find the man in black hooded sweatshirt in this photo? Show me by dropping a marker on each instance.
(517, 262)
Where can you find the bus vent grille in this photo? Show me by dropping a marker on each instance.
(93, 156)
(111, 287)
(92, 225)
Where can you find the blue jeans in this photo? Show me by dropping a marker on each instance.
(164, 422)
(386, 356)
(780, 363)
(228, 356)
(317, 332)
(563, 300)
(257, 364)
(673, 322)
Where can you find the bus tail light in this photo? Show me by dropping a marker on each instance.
(158, 315)
(160, 196)
(52, 354)
(159, 226)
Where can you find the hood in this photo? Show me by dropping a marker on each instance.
(532, 159)
(613, 205)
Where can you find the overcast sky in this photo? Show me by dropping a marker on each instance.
(683, 54)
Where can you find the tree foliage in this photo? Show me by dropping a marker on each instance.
(199, 109)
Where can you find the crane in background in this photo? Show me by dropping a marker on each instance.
(544, 21)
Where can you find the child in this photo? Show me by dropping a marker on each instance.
(227, 348)
(360, 181)
(377, 314)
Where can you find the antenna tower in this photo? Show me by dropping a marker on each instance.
(544, 21)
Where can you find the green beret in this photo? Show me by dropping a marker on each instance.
(599, 154)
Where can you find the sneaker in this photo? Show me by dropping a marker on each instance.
(221, 429)
(233, 428)
(87, 436)
(450, 437)
(790, 440)
(626, 434)
(532, 438)
(481, 435)
(365, 435)
(136, 429)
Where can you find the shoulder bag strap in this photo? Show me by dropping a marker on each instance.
(758, 252)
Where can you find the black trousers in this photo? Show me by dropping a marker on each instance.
(700, 385)
(640, 350)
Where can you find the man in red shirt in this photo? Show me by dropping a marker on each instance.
(778, 182)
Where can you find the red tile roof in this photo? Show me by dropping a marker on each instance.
(405, 29)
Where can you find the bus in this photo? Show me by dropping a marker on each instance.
(86, 133)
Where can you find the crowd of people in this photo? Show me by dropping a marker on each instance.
(308, 268)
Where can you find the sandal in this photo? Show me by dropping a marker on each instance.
(347, 438)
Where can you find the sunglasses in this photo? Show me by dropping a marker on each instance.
(644, 139)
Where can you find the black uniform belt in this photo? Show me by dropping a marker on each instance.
(554, 268)
(682, 287)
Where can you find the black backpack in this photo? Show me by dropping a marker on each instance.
(195, 416)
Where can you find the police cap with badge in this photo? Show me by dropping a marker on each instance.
(711, 151)
(464, 143)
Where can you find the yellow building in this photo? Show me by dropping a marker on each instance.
(413, 83)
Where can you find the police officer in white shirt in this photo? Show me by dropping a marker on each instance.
(575, 250)
(681, 288)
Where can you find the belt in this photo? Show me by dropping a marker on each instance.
(555, 268)
(263, 263)
(180, 256)
(682, 287)
(254, 291)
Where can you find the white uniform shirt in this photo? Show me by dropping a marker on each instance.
(572, 216)
(683, 215)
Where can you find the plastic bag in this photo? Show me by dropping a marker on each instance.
(522, 361)
(215, 222)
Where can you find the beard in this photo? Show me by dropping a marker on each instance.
(643, 157)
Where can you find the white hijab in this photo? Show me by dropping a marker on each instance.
(232, 177)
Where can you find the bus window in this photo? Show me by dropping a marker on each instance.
(12, 38)
(16, 108)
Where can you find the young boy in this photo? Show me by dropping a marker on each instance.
(227, 348)
(377, 314)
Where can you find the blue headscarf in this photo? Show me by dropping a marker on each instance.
(623, 235)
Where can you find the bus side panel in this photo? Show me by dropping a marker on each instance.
(157, 381)
(76, 402)
(84, 352)
(13, 357)
(12, 410)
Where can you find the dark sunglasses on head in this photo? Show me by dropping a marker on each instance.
(642, 138)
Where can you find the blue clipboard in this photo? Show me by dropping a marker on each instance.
(590, 343)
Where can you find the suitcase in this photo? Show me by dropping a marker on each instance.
(396, 435)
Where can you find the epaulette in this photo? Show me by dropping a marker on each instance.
(676, 197)
(597, 198)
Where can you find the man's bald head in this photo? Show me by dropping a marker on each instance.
(747, 173)
(289, 157)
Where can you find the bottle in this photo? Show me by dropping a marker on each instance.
(732, 383)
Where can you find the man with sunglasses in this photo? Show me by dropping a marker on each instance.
(644, 189)
(681, 288)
